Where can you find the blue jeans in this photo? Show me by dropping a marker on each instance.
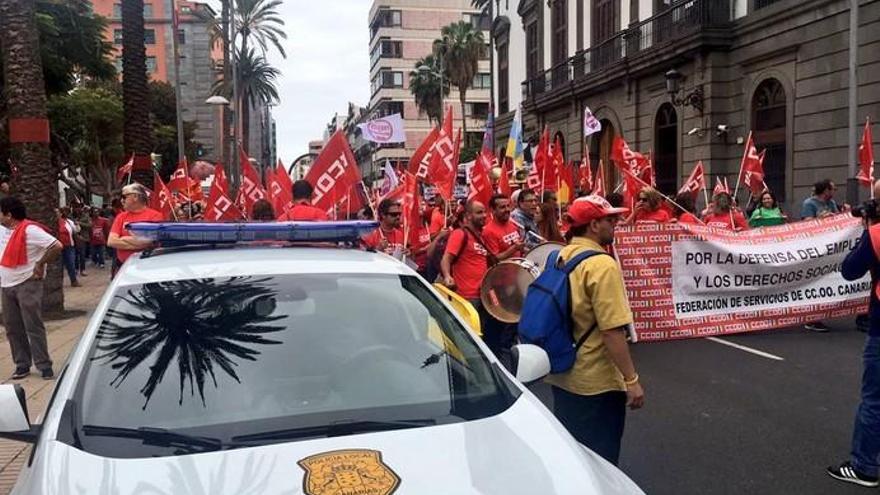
(866, 435)
(68, 260)
(98, 255)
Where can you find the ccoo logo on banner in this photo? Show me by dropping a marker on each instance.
(687, 281)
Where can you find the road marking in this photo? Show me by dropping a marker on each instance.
(745, 348)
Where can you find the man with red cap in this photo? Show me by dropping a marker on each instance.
(590, 399)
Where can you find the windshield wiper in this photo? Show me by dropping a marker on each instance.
(159, 437)
(335, 429)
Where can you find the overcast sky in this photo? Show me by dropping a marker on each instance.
(327, 66)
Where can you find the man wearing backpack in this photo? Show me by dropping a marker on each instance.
(590, 398)
(466, 259)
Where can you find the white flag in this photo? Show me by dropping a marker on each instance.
(591, 123)
(391, 180)
(388, 129)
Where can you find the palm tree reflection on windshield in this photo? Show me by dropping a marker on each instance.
(197, 323)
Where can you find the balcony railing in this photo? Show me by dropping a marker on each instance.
(681, 19)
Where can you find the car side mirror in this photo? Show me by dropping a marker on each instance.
(14, 421)
(531, 363)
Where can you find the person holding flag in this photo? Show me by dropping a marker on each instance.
(302, 209)
(649, 208)
(389, 237)
(724, 215)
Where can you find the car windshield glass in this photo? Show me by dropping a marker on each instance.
(251, 360)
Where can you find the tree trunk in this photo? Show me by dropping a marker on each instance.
(26, 99)
(137, 134)
(461, 95)
(245, 125)
(227, 76)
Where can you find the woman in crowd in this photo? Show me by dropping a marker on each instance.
(768, 212)
(724, 215)
(67, 230)
(262, 211)
(548, 222)
(649, 208)
(686, 209)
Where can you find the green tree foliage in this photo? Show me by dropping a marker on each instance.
(424, 84)
(461, 46)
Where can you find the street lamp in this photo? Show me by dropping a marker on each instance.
(220, 101)
(693, 99)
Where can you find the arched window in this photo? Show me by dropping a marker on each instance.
(770, 133)
(666, 149)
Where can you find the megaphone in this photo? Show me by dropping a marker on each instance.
(520, 176)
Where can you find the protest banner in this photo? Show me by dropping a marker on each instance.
(687, 281)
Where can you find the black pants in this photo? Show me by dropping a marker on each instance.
(594, 420)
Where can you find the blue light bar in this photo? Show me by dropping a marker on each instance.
(177, 233)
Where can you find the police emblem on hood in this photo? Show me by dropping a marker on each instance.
(348, 472)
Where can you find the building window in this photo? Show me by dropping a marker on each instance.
(117, 36)
(559, 28)
(385, 18)
(482, 81)
(148, 10)
(118, 64)
(478, 21)
(580, 24)
(117, 10)
(503, 78)
(606, 20)
(392, 79)
(479, 110)
(181, 37)
(484, 53)
(769, 121)
(151, 64)
(666, 149)
(387, 108)
(149, 36)
(185, 9)
(532, 49)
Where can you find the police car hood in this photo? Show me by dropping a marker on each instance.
(523, 450)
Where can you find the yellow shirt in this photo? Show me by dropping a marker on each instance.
(597, 296)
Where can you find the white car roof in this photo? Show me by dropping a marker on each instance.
(187, 263)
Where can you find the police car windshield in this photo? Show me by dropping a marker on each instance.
(245, 356)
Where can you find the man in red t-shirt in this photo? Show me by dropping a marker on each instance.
(98, 237)
(500, 234)
(388, 238)
(465, 260)
(302, 209)
(134, 200)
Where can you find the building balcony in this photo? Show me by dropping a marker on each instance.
(683, 25)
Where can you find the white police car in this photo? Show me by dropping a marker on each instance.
(253, 369)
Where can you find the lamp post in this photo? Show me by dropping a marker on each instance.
(693, 99)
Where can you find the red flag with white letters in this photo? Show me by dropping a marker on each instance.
(179, 180)
(444, 166)
(251, 189)
(220, 207)
(421, 159)
(751, 169)
(478, 178)
(161, 200)
(599, 183)
(695, 182)
(336, 178)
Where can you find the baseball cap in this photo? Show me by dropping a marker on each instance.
(588, 208)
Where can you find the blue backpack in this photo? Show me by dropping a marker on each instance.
(546, 319)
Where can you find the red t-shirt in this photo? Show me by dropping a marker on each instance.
(394, 238)
(658, 216)
(421, 242)
(689, 218)
(500, 236)
(437, 221)
(98, 236)
(723, 221)
(145, 215)
(302, 212)
(469, 268)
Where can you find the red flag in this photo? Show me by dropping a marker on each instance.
(421, 159)
(534, 180)
(478, 178)
(565, 194)
(634, 162)
(161, 200)
(720, 187)
(194, 190)
(220, 207)
(409, 202)
(336, 177)
(599, 183)
(866, 157)
(125, 169)
(251, 189)
(444, 166)
(751, 169)
(504, 180)
(179, 180)
(585, 174)
(550, 173)
(282, 188)
(695, 182)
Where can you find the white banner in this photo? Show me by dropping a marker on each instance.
(713, 277)
(388, 129)
(591, 123)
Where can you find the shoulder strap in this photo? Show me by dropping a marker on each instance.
(463, 243)
(584, 337)
(571, 264)
(489, 256)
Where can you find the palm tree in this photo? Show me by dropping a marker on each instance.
(26, 99)
(137, 134)
(460, 45)
(424, 84)
(256, 20)
(256, 85)
(193, 324)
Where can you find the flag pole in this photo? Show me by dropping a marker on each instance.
(741, 163)
(370, 201)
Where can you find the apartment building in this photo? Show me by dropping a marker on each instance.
(689, 79)
(401, 33)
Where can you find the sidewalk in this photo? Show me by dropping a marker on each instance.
(63, 336)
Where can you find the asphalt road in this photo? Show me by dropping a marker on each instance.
(719, 420)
